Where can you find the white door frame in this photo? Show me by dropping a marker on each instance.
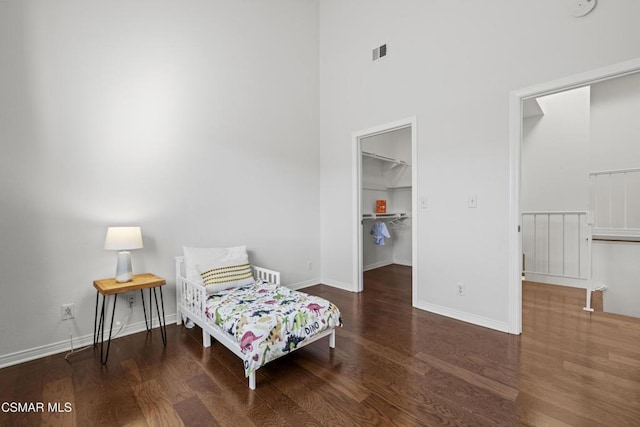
(515, 141)
(357, 197)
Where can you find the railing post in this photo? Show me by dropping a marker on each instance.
(535, 242)
(579, 243)
(610, 201)
(588, 268)
(625, 200)
(594, 186)
(563, 260)
(549, 243)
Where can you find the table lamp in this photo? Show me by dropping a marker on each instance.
(123, 239)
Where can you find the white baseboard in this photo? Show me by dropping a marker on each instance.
(556, 280)
(464, 316)
(385, 263)
(78, 342)
(376, 265)
(304, 284)
(337, 284)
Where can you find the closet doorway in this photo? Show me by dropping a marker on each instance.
(385, 199)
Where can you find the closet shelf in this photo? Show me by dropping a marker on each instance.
(387, 188)
(399, 215)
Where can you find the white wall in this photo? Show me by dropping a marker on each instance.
(196, 120)
(453, 65)
(555, 154)
(615, 128)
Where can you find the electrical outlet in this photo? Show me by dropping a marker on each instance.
(132, 299)
(67, 311)
(309, 265)
(460, 289)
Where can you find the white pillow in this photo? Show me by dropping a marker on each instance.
(207, 257)
(227, 274)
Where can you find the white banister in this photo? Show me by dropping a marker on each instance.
(623, 216)
(567, 255)
(614, 171)
(551, 239)
(612, 195)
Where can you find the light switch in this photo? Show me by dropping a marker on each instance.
(473, 200)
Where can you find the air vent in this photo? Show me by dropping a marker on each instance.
(380, 52)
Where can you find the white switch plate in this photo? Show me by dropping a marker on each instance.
(473, 201)
(424, 202)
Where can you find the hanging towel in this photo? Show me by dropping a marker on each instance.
(379, 231)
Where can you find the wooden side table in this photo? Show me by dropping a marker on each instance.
(107, 287)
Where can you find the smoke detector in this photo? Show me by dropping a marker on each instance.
(583, 7)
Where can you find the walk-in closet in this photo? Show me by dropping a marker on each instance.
(386, 199)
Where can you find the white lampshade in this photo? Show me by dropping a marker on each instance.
(123, 238)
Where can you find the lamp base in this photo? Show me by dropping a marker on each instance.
(123, 268)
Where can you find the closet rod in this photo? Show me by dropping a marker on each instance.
(387, 159)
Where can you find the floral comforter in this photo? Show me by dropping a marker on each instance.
(268, 320)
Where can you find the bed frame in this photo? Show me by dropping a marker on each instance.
(191, 301)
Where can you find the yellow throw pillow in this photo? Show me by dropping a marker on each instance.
(228, 274)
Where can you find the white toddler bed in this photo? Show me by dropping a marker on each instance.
(258, 322)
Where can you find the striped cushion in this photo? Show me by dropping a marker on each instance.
(225, 275)
(207, 257)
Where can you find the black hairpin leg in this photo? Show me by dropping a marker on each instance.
(164, 321)
(100, 323)
(105, 357)
(161, 319)
(144, 308)
(96, 326)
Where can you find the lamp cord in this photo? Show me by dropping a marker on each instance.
(122, 325)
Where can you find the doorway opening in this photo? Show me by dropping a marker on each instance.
(529, 227)
(385, 189)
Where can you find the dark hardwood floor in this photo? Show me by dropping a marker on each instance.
(393, 365)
